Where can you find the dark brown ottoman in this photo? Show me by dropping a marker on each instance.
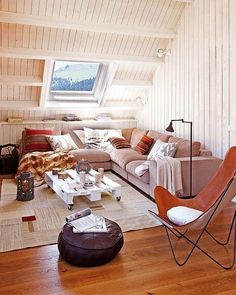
(90, 249)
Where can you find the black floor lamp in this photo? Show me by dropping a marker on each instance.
(171, 129)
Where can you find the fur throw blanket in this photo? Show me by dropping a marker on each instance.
(39, 162)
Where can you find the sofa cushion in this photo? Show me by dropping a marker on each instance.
(119, 143)
(79, 137)
(62, 143)
(157, 135)
(126, 133)
(136, 136)
(100, 135)
(131, 166)
(92, 155)
(35, 140)
(144, 145)
(123, 156)
(183, 147)
(162, 149)
(182, 215)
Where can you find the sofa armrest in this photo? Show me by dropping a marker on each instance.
(203, 169)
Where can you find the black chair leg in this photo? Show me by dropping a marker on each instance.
(229, 234)
(195, 245)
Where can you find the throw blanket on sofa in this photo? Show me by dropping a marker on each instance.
(168, 173)
(39, 162)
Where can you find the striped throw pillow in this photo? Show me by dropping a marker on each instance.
(119, 143)
(144, 145)
(36, 141)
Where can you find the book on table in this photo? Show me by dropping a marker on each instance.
(86, 222)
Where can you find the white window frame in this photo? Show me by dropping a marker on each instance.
(104, 77)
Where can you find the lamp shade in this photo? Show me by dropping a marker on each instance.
(170, 128)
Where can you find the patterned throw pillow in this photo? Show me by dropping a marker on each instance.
(144, 145)
(119, 143)
(162, 149)
(167, 150)
(62, 143)
(100, 135)
(35, 140)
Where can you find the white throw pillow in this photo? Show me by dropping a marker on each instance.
(100, 135)
(154, 149)
(182, 215)
(92, 135)
(162, 149)
(62, 143)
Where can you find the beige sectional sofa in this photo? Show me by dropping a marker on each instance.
(124, 161)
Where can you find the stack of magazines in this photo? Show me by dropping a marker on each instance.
(86, 222)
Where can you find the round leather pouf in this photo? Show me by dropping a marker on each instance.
(90, 249)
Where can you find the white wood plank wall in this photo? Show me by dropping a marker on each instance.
(198, 80)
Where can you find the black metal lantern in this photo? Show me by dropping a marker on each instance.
(25, 187)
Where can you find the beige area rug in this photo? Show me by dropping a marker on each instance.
(39, 221)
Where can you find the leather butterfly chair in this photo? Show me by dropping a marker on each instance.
(217, 194)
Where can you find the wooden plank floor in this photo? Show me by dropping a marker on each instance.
(144, 266)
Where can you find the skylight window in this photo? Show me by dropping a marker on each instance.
(73, 82)
(72, 77)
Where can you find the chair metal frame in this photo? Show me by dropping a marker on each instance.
(180, 235)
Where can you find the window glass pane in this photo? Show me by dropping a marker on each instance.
(74, 76)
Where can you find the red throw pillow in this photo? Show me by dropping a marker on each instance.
(144, 145)
(36, 140)
(119, 143)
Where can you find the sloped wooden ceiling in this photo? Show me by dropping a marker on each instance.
(128, 32)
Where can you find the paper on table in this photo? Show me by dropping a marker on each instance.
(100, 227)
(84, 223)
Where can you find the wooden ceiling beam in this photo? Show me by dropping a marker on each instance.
(60, 55)
(185, 1)
(21, 80)
(60, 23)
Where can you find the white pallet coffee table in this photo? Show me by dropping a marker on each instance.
(93, 193)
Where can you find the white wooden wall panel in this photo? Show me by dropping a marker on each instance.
(135, 72)
(19, 93)
(124, 93)
(198, 80)
(232, 84)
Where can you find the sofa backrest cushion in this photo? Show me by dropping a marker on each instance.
(136, 136)
(35, 140)
(62, 143)
(79, 137)
(144, 145)
(205, 153)
(126, 133)
(119, 143)
(100, 135)
(162, 149)
(158, 135)
(183, 147)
